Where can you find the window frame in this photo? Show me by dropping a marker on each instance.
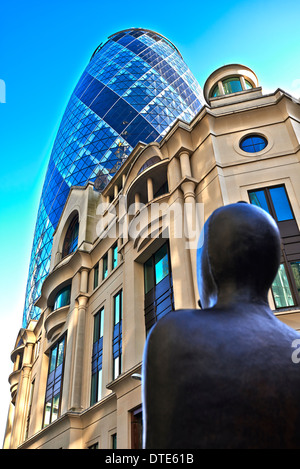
(97, 355)
(114, 257)
(117, 340)
(68, 239)
(284, 257)
(250, 136)
(60, 293)
(54, 394)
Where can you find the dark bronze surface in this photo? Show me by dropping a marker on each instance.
(223, 376)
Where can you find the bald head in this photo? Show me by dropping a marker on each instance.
(238, 252)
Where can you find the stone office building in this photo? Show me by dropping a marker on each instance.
(124, 257)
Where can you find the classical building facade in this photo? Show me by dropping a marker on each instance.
(123, 257)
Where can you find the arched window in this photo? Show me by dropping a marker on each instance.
(71, 239)
(231, 85)
(151, 161)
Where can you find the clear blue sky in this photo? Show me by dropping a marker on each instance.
(45, 46)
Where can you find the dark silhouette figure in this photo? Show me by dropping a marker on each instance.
(223, 376)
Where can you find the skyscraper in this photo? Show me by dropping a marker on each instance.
(133, 89)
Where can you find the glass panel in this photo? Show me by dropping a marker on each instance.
(232, 85)
(47, 413)
(96, 275)
(117, 308)
(101, 322)
(116, 367)
(96, 327)
(281, 204)
(53, 360)
(114, 441)
(115, 257)
(94, 389)
(215, 91)
(55, 408)
(99, 385)
(105, 267)
(62, 298)
(74, 238)
(258, 198)
(281, 289)
(149, 275)
(248, 85)
(60, 356)
(161, 264)
(296, 273)
(253, 144)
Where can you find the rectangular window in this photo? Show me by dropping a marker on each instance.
(94, 446)
(273, 200)
(97, 354)
(114, 441)
(54, 382)
(105, 267)
(281, 289)
(117, 334)
(158, 286)
(286, 285)
(96, 275)
(114, 256)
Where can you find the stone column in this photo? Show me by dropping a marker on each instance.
(21, 406)
(174, 173)
(185, 164)
(150, 189)
(137, 202)
(192, 227)
(76, 391)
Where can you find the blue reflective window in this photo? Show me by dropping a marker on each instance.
(273, 200)
(258, 198)
(71, 238)
(62, 298)
(253, 143)
(232, 85)
(281, 204)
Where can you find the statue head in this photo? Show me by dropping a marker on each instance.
(238, 255)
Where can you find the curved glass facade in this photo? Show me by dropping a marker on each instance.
(134, 88)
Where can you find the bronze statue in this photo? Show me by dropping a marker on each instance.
(223, 376)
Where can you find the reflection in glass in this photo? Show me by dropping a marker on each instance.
(161, 264)
(296, 273)
(55, 408)
(47, 413)
(215, 91)
(149, 277)
(105, 267)
(115, 256)
(53, 360)
(62, 298)
(281, 204)
(281, 289)
(253, 144)
(258, 198)
(232, 85)
(248, 85)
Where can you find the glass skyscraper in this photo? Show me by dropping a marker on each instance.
(134, 88)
